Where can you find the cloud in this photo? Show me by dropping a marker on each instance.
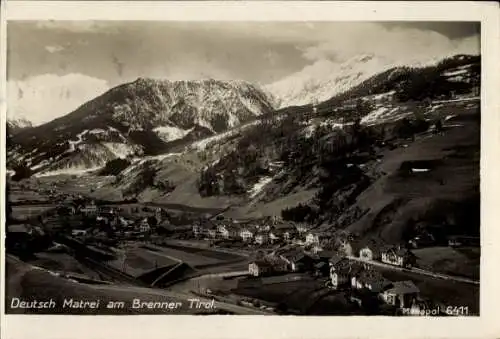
(54, 49)
(45, 97)
(403, 44)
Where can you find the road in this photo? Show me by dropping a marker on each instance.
(415, 270)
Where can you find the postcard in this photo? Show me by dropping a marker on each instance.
(310, 170)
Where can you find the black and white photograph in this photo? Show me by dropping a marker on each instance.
(307, 168)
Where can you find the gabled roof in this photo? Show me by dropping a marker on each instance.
(399, 251)
(246, 229)
(403, 287)
(320, 264)
(336, 259)
(261, 262)
(293, 255)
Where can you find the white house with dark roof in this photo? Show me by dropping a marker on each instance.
(312, 238)
(401, 294)
(223, 231)
(398, 256)
(246, 234)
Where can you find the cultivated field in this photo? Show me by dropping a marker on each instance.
(454, 261)
(306, 296)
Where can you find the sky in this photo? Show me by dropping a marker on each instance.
(72, 54)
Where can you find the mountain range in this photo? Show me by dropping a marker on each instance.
(324, 79)
(44, 97)
(151, 117)
(343, 164)
(143, 117)
(16, 125)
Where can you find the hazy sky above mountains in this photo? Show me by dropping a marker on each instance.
(264, 52)
(111, 53)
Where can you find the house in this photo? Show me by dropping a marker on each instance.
(259, 267)
(144, 226)
(342, 269)
(245, 234)
(287, 235)
(267, 266)
(315, 248)
(197, 230)
(261, 238)
(265, 227)
(312, 238)
(209, 230)
(286, 231)
(89, 209)
(348, 248)
(401, 294)
(371, 251)
(398, 256)
(211, 233)
(297, 260)
(366, 253)
(223, 232)
(370, 280)
(301, 228)
(341, 272)
(279, 265)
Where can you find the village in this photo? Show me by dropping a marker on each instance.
(284, 248)
(275, 249)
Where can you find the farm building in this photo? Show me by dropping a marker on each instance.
(401, 294)
(398, 256)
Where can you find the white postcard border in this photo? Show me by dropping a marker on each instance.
(124, 327)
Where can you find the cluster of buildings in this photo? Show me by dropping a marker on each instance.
(344, 273)
(397, 255)
(264, 232)
(109, 220)
(359, 278)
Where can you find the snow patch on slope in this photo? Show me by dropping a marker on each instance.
(170, 133)
(120, 150)
(68, 171)
(259, 186)
(324, 79)
(201, 145)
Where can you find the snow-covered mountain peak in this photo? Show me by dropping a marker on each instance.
(144, 116)
(44, 97)
(325, 78)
